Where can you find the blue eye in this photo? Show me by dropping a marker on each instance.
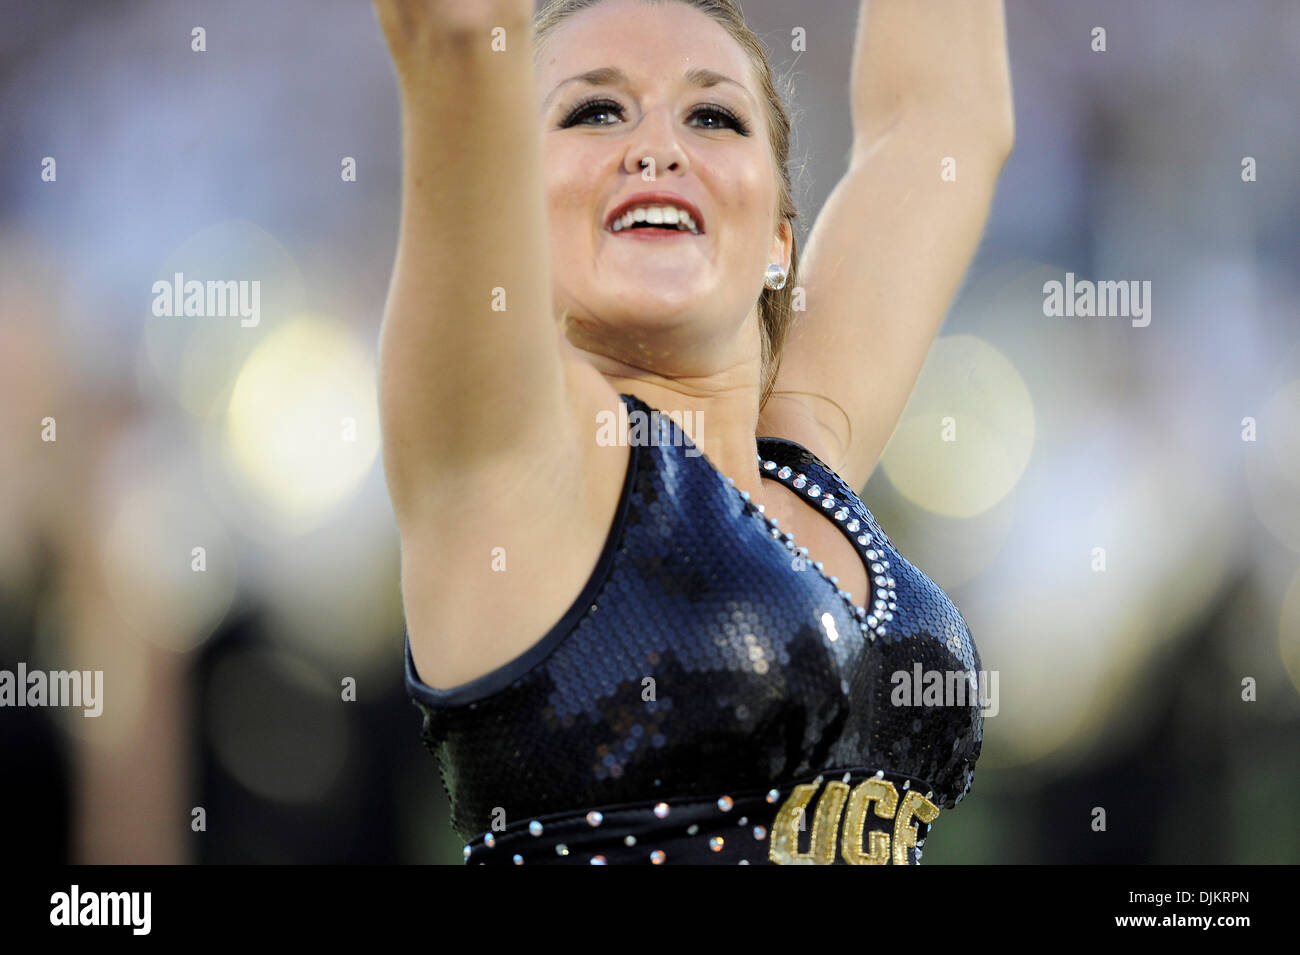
(599, 107)
(717, 112)
(587, 108)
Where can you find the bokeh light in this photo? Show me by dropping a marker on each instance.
(301, 428)
(967, 432)
(195, 359)
(1272, 465)
(277, 725)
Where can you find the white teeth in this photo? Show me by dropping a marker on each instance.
(656, 215)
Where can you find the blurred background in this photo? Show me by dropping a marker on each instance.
(211, 526)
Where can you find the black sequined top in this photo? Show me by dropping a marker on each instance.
(709, 683)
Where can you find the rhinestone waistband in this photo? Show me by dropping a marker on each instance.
(841, 817)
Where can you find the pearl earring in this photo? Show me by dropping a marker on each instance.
(776, 277)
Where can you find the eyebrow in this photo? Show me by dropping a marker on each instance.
(613, 76)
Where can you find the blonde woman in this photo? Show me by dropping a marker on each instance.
(648, 619)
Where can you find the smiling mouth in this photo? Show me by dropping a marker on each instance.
(658, 220)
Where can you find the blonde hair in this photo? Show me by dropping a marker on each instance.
(775, 308)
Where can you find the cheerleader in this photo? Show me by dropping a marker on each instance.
(649, 620)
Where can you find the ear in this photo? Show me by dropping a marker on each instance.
(782, 244)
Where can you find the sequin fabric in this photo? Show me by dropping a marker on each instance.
(709, 663)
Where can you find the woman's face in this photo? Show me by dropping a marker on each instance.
(666, 302)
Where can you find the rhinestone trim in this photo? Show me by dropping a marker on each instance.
(872, 622)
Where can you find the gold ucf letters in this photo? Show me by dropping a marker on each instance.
(878, 795)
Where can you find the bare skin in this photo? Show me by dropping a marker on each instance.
(489, 414)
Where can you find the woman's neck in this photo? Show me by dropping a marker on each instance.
(719, 413)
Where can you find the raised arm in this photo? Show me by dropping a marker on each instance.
(471, 361)
(933, 125)
(488, 414)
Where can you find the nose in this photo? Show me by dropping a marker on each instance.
(654, 146)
